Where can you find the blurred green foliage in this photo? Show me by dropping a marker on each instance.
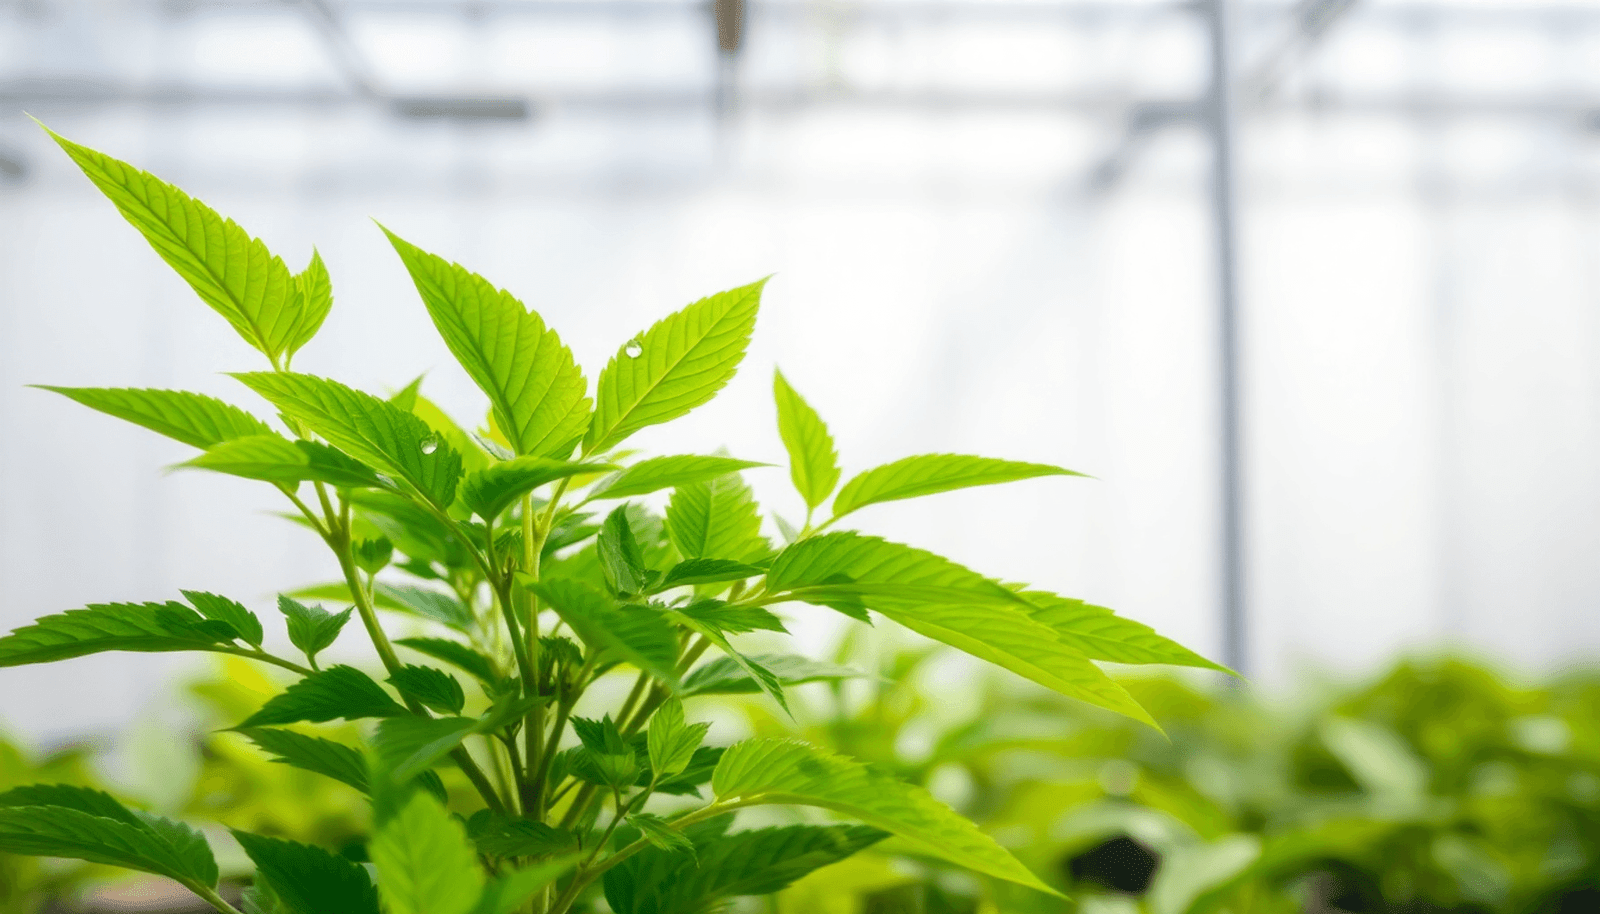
(1438, 787)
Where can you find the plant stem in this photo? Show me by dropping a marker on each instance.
(264, 657)
(210, 897)
(587, 874)
(533, 729)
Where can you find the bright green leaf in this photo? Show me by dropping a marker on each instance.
(309, 880)
(507, 894)
(194, 419)
(672, 742)
(436, 689)
(1101, 634)
(409, 745)
(716, 520)
(222, 609)
(316, 291)
(492, 490)
(312, 629)
(274, 458)
(336, 692)
(659, 473)
(620, 556)
(813, 462)
(634, 634)
(733, 618)
(707, 571)
(141, 627)
(664, 837)
(459, 655)
(82, 824)
(927, 474)
(425, 863)
(311, 753)
(723, 676)
(429, 604)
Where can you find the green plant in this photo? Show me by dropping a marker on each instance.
(538, 595)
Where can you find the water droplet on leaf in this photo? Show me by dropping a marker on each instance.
(634, 349)
(429, 445)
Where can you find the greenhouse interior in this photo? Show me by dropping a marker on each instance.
(1103, 456)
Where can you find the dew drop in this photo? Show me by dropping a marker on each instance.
(634, 349)
(429, 445)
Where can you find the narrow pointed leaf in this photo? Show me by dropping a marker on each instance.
(316, 291)
(139, 627)
(461, 656)
(371, 430)
(194, 419)
(927, 474)
(724, 676)
(429, 604)
(411, 745)
(707, 571)
(312, 629)
(765, 679)
(274, 458)
(1101, 634)
(222, 609)
(718, 519)
(813, 462)
(659, 473)
(231, 271)
(62, 821)
(733, 619)
(634, 634)
(336, 692)
(788, 772)
(425, 863)
(620, 556)
(493, 489)
(310, 880)
(678, 364)
(656, 830)
(537, 390)
(671, 740)
(310, 753)
(833, 564)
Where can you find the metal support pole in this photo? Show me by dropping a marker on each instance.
(1219, 121)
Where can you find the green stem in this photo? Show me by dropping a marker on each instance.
(210, 897)
(533, 729)
(264, 657)
(587, 874)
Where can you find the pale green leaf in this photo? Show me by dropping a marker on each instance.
(194, 419)
(813, 462)
(733, 618)
(507, 894)
(707, 571)
(764, 678)
(231, 271)
(139, 627)
(787, 772)
(678, 364)
(309, 880)
(336, 692)
(492, 490)
(274, 458)
(371, 430)
(831, 565)
(536, 389)
(718, 519)
(927, 474)
(659, 473)
(1101, 634)
(723, 676)
(316, 291)
(672, 741)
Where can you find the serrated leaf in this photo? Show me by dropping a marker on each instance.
(716, 520)
(372, 555)
(724, 676)
(274, 458)
(508, 893)
(194, 419)
(309, 880)
(793, 773)
(461, 656)
(634, 634)
(671, 740)
(813, 462)
(61, 821)
(537, 390)
(927, 474)
(231, 271)
(1101, 634)
(336, 692)
(474, 456)
(371, 430)
(701, 764)
(620, 556)
(410, 745)
(733, 618)
(222, 609)
(764, 678)
(436, 689)
(659, 473)
(312, 629)
(429, 604)
(676, 365)
(425, 863)
(500, 836)
(493, 489)
(310, 753)
(138, 627)
(605, 757)
(259, 898)
(316, 291)
(707, 571)
(662, 836)
(758, 862)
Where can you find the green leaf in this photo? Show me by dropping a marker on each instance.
(813, 462)
(425, 863)
(336, 692)
(535, 388)
(316, 291)
(371, 430)
(274, 458)
(659, 473)
(716, 520)
(311, 628)
(707, 571)
(832, 567)
(620, 556)
(259, 898)
(309, 880)
(310, 753)
(459, 655)
(723, 676)
(194, 419)
(372, 555)
(231, 271)
(605, 758)
(672, 742)
(507, 894)
(758, 862)
(662, 836)
(410, 745)
(927, 474)
(793, 773)
(678, 364)
(634, 634)
(61, 821)
(1101, 634)
(732, 618)
(436, 689)
(141, 627)
(429, 604)
(222, 609)
(500, 836)
(492, 490)
(764, 678)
